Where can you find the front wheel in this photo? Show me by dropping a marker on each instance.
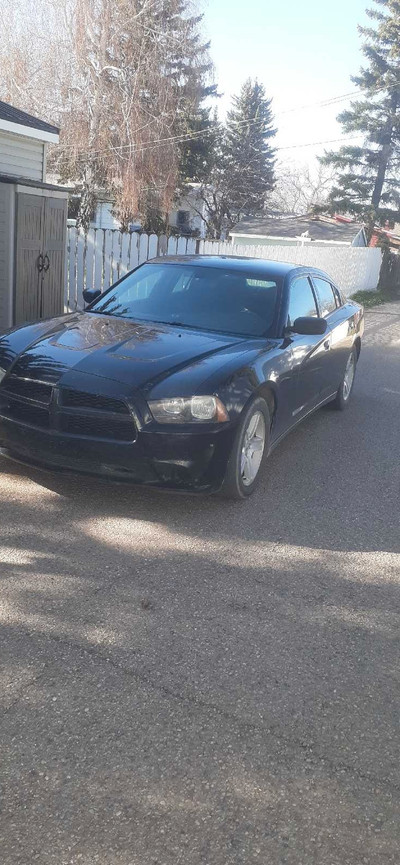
(249, 451)
(343, 395)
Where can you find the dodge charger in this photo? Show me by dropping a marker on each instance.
(184, 374)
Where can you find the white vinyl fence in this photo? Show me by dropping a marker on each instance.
(100, 257)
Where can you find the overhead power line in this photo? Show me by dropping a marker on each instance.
(180, 139)
(155, 145)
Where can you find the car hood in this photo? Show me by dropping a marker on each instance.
(135, 353)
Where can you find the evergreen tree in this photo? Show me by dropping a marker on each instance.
(197, 150)
(250, 157)
(368, 180)
(187, 66)
(240, 162)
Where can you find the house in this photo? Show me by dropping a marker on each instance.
(187, 216)
(33, 216)
(189, 213)
(298, 231)
(102, 216)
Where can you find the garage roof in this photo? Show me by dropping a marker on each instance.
(317, 228)
(14, 120)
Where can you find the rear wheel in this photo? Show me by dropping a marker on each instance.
(249, 451)
(343, 395)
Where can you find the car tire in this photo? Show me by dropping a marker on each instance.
(343, 395)
(249, 451)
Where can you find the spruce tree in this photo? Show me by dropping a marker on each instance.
(368, 179)
(250, 157)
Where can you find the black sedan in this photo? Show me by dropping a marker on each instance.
(184, 374)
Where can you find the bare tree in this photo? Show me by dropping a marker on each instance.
(119, 76)
(36, 57)
(301, 188)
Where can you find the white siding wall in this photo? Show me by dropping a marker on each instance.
(104, 217)
(7, 197)
(21, 157)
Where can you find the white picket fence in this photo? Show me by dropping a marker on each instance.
(99, 257)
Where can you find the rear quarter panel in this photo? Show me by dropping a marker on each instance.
(346, 326)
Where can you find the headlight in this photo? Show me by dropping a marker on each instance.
(193, 409)
(2, 373)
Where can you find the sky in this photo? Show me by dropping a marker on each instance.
(303, 51)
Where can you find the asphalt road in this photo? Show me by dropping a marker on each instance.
(191, 682)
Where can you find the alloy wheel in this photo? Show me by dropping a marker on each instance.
(252, 448)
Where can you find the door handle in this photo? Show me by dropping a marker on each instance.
(46, 263)
(40, 262)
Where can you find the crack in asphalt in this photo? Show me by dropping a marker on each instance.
(25, 686)
(314, 755)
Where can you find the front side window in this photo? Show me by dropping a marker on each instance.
(326, 296)
(301, 300)
(206, 298)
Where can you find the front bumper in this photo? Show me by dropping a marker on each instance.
(193, 461)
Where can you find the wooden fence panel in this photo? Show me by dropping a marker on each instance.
(191, 246)
(125, 244)
(143, 248)
(162, 244)
(181, 246)
(100, 257)
(115, 255)
(134, 251)
(108, 240)
(66, 285)
(153, 246)
(80, 264)
(90, 252)
(172, 245)
(98, 241)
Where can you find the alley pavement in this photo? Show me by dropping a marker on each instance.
(188, 681)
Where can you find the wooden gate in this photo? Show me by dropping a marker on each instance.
(389, 280)
(29, 238)
(55, 227)
(40, 251)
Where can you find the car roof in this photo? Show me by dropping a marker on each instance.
(235, 262)
(263, 266)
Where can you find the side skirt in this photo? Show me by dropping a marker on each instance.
(315, 408)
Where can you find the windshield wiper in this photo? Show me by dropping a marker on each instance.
(182, 324)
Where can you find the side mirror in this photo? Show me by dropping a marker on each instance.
(91, 294)
(309, 326)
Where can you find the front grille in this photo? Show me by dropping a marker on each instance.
(79, 399)
(71, 412)
(26, 414)
(28, 389)
(97, 427)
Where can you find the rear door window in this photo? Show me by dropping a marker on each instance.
(326, 296)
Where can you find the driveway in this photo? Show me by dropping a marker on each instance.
(191, 682)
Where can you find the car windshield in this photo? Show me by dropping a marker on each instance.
(200, 297)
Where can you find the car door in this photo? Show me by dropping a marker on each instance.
(309, 353)
(340, 333)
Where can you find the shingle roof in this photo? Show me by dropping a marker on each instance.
(15, 115)
(294, 226)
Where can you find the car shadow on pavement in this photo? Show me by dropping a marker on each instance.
(171, 694)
